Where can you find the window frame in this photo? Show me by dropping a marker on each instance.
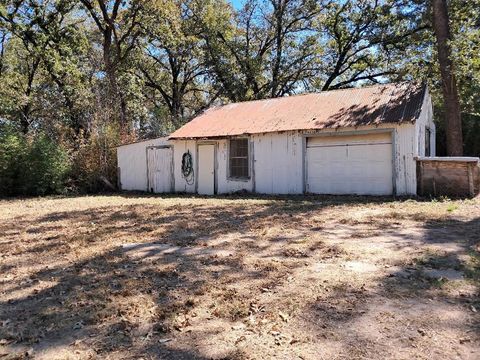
(428, 142)
(229, 173)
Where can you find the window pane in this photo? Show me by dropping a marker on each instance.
(238, 147)
(239, 158)
(239, 168)
(427, 142)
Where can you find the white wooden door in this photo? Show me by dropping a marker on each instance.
(206, 169)
(359, 164)
(160, 170)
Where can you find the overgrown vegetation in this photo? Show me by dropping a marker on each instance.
(33, 165)
(92, 74)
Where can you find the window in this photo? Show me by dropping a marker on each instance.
(427, 142)
(238, 158)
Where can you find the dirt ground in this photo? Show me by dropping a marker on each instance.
(146, 277)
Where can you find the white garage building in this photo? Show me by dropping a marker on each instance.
(352, 141)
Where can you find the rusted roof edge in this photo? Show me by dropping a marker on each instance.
(326, 127)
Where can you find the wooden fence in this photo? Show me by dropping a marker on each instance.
(448, 176)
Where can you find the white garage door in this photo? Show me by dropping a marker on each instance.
(359, 164)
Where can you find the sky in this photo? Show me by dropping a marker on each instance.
(236, 3)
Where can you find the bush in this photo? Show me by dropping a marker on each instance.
(46, 167)
(31, 165)
(96, 161)
(12, 155)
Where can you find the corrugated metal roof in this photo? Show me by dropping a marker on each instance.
(389, 103)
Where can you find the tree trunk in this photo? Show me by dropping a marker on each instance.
(3, 40)
(116, 97)
(278, 13)
(453, 121)
(24, 123)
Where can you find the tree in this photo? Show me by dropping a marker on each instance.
(48, 40)
(118, 22)
(294, 50)
(453, 120)
(264, 50)
(365, 41)
(173, 60)
(3, 41)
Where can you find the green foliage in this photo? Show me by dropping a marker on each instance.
(92, 74)
(171, 64)
(45, 168)
(12, 154)
(366, 41)
(31, 166)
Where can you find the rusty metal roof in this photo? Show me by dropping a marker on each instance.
(373, 105)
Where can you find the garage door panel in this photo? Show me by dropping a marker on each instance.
(350, 168)
(371, 152)
(350, 139)
(336, 153)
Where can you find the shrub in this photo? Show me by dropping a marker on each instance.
(96, 161)
(34, 165)
(46, 167)
(12, 155)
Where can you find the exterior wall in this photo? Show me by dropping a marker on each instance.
(132, 163)
(406, 146)
(425, 120)
(225, 184)
(278, 163)
(278, 159)
(179, 148)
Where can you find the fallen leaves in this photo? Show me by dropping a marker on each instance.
(261, 299)
(78, 325)
(422, 332)
(181, 322)
(238, 327)
(283, 316)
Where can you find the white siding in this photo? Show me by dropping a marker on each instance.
(278, 163)
(224, 185)
(132, 161)
(405, 166)
(425, 120)
(179, 148)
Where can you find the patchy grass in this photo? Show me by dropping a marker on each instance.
(238, 278)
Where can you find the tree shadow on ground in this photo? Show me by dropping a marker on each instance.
(375, 315)
(63, 302)
(104, 290)
(110, 303)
